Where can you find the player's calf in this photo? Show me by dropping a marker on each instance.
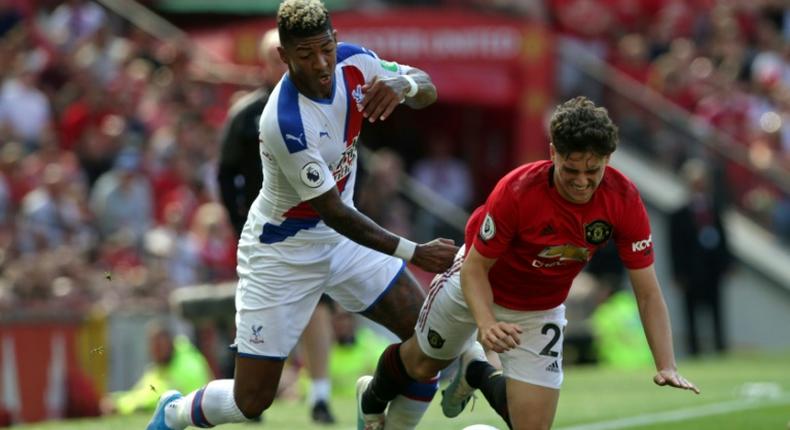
(388, 381)
(490, 381)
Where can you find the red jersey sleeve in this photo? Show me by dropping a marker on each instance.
(498, 222)
(633, 237)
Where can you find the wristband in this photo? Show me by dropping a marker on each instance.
(405, 249)
(413, 87)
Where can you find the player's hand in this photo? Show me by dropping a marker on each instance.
(381, 97)
(674, 379)
(435, 256)
(500, 336)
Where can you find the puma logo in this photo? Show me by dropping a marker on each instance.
(298, 139)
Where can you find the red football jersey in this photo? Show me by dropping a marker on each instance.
(542, 241)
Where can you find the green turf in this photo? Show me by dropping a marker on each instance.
(767, 418)
(590, 395)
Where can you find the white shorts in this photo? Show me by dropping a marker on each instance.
(446, 329)
(280, 285)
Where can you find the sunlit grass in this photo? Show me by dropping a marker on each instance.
(590, 395)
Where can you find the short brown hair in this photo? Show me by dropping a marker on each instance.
(578, 125)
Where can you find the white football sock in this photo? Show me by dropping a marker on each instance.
(172, 413)
(320, 389)
(207, 407)
(404, 413)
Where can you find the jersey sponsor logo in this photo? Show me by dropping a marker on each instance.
(389, 65)
(560, 254)
(435, 339)
(597, 232)
(488, 228)
(565, 252)
(256, 334)
(311, 175)
(540, 264)
(343, 167)
(641, 245)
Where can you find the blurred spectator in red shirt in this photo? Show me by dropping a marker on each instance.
(216, 243)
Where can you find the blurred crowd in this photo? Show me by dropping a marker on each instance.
(726, 62)
(107, 182)
(108, 149)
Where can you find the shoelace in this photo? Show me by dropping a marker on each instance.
(474, 400)
(473, 397)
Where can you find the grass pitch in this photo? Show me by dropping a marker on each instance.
(742, 391)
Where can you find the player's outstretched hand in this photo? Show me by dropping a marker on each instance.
(674, 379)
(435, 256)
(382, 96)
(500, 336)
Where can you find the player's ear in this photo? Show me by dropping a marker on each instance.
(552, 150)
(334, 35)
(283, 54)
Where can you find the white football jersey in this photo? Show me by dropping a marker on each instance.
(308, 146)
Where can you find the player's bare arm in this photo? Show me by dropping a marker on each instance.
(435, 256)
(655, 320)
(494, 335)
(383, 95)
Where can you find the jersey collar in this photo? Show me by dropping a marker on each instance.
(326, 101)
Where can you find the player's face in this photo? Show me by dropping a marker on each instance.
(578, 175)
(311, 63)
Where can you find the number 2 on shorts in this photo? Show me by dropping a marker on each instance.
(555, 337)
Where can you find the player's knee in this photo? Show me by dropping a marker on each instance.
(253, 401)
(420, 366)
(426, 370)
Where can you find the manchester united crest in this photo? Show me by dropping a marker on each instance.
(597, 232)
(435, 339)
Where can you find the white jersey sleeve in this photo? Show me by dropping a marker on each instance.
(369, 63)
(293, 144)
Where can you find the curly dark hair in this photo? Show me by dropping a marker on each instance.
(302, 18)
(578, 125)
